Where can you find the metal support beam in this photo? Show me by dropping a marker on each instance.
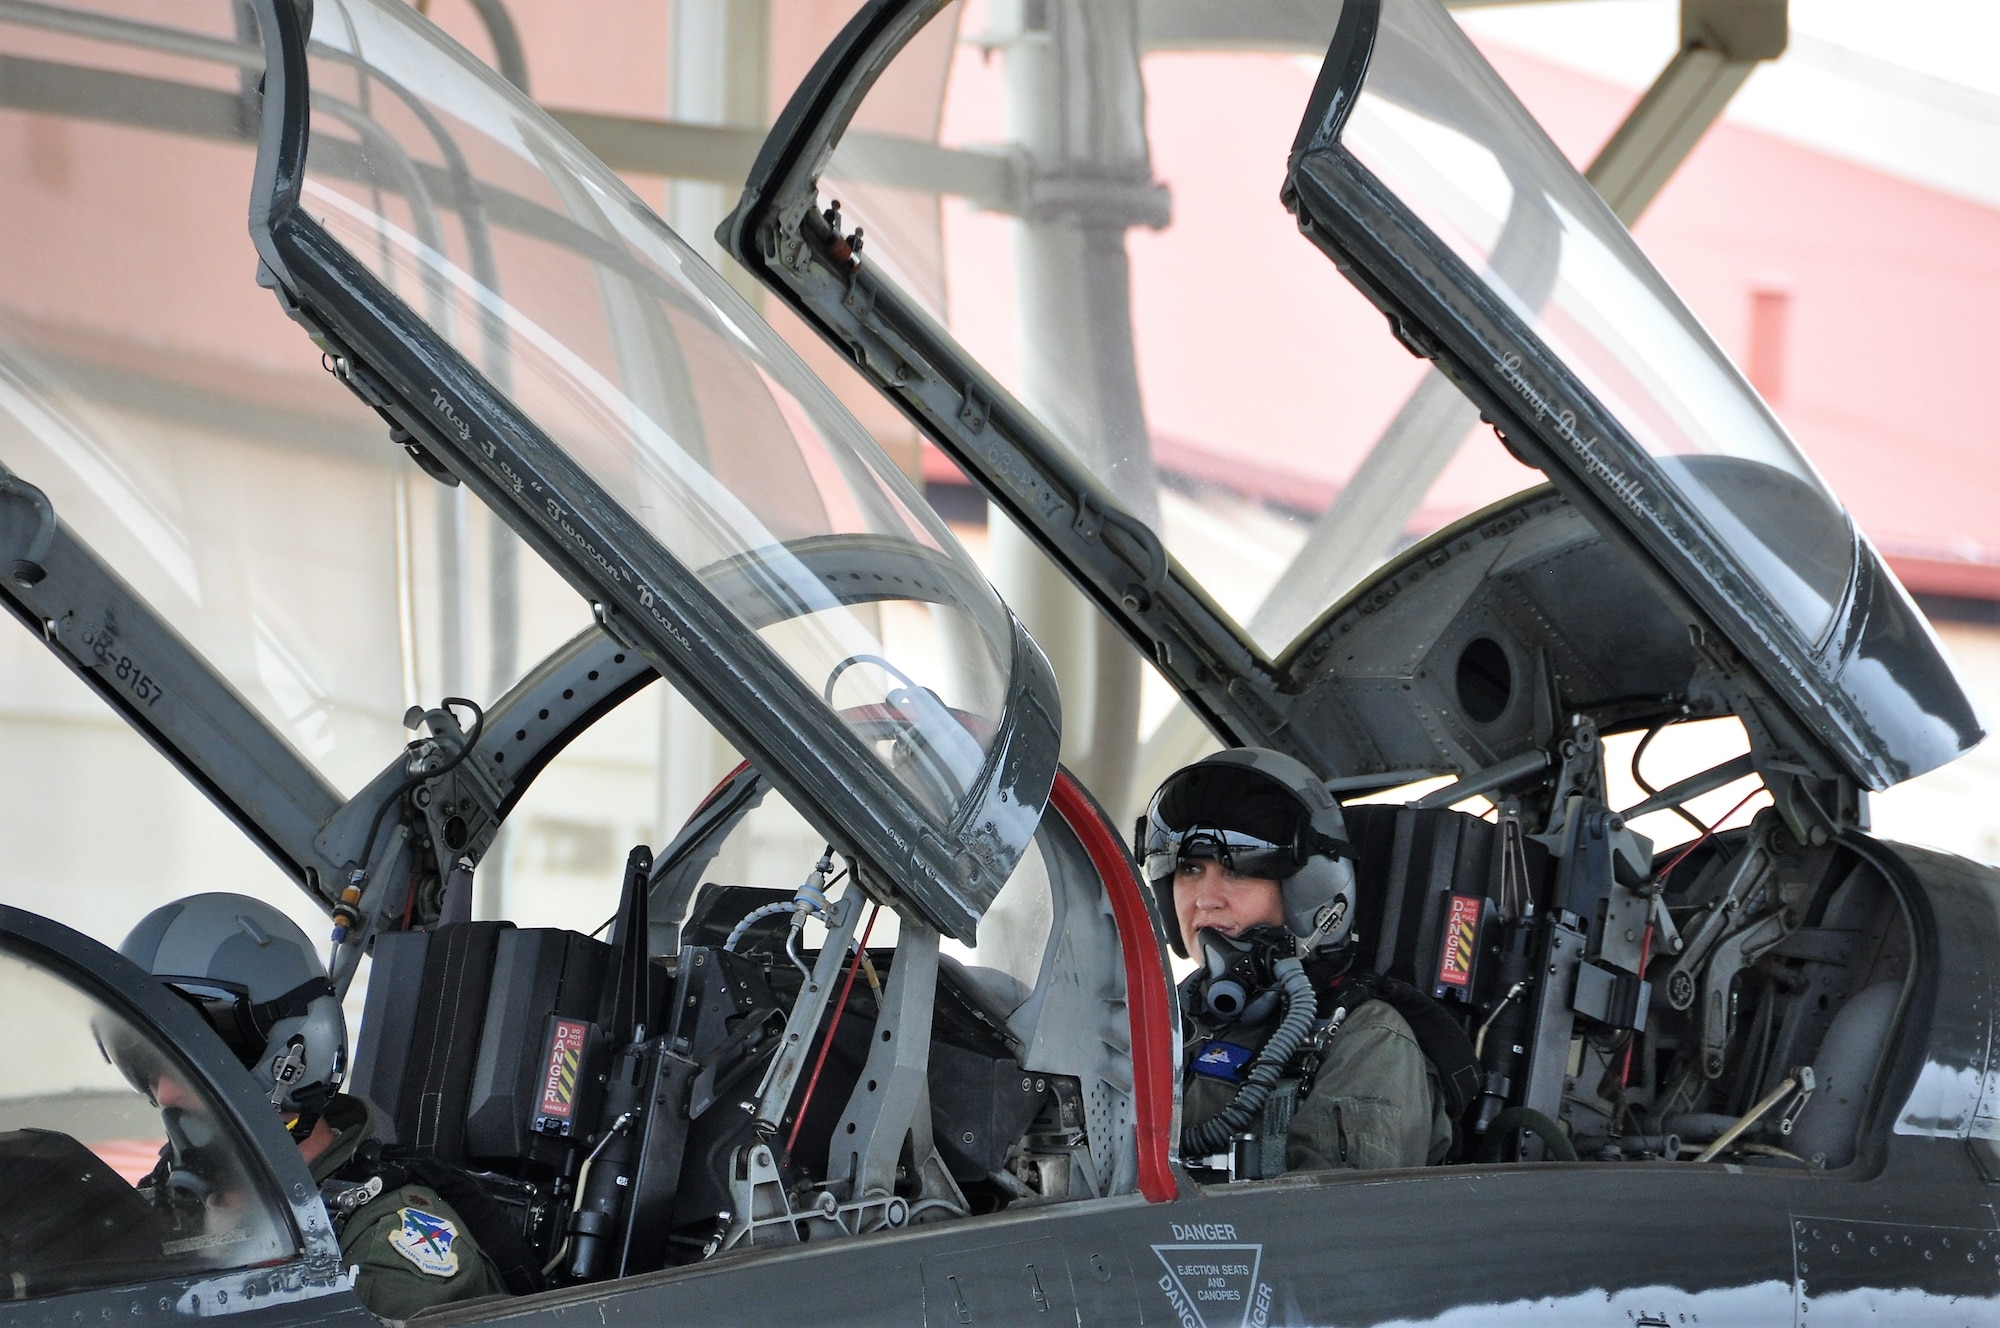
(1249, 25)
(718, 104)
(1076, 114)
(673, 148)
(719, 76)
(1743, 30)
(1721, 42)
(723, 154)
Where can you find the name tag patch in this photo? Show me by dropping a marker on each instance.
(426, 1241)
(1222, 1060)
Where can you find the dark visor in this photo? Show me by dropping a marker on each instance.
(246, 1025)
(1244, 854)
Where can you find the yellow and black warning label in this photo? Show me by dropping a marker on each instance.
(560, 1067)
(1461, 939)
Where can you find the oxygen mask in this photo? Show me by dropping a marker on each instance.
(1239, 982)
(190, 1161)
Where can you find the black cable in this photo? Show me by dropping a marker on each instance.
(471, 741)
(1639, 779)
(1537, 1123)
(1645, 741)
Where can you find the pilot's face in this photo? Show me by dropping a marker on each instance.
(1208, 894)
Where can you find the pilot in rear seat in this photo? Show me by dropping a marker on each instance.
(254, 976)
(1294, 1060)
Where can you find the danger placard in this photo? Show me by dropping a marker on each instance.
(1461, 936)
(559, 1071)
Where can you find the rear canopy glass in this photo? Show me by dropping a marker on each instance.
(540, 268)
(1103, 234)
(1076, 218)
(1435, 124)
(1102, 231)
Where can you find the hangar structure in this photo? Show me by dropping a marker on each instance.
(1543, 507)
(1721, 43)
(473, 616)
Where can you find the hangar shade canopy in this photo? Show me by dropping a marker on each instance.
(1078, 264)
(500, 293)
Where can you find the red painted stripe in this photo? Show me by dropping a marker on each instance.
(1146, 986)
(716, 792)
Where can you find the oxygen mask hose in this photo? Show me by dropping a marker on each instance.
(1301, 1009)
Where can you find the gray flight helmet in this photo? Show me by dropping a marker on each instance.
(255, 977)
(1270, 816)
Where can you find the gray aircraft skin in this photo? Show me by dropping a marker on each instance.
(1806, 1009)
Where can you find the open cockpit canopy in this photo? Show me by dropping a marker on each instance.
(1076, 272)
(1416, 166)
(525, 326)
(501, 294)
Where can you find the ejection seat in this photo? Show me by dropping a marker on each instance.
(1068, 972)
(1049, 1062)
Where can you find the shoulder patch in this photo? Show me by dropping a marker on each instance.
(427, 1241)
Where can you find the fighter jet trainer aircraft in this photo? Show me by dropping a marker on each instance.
(1747, 1081)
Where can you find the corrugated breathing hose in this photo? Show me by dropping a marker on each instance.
(1301, 1008)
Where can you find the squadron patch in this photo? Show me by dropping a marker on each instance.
(426, 1241)
(1221, 1060)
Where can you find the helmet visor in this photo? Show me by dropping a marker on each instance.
(246, 1025)
(1241, 853)
(226, 1006)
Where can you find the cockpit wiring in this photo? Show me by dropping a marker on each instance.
(347, 912)
(1638, 755)
(1707, 834)
(833, 1025)
(809, 900)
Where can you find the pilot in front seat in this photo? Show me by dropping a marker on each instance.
(1288, 1043)
(255, 978)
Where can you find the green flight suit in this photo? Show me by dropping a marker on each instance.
(1374, 1103)
(412, 1250)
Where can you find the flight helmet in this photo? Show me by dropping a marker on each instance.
(1260, 813)
(253, 974)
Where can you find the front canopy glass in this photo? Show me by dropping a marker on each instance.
(526, 256)
(185, 432)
